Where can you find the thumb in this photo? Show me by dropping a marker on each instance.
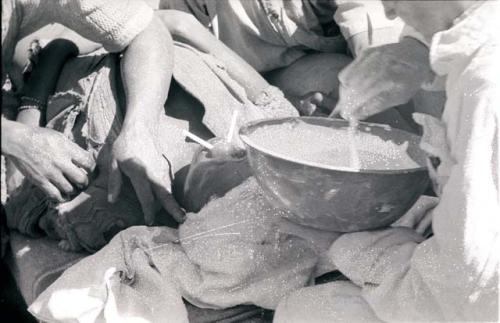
(342, 103)
(114, 181)
(339, 107)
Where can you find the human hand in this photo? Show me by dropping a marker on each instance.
(314, 103)
(52, 162)
(419, 217)
(13, 177)
(381, 78)
(135, 155)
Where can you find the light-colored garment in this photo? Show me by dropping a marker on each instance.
(454, 275)
(352, 18)
(270, 34)
(235, 251)
(113, 23)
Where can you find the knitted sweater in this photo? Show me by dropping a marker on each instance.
(113, 23)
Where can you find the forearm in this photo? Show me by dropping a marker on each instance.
(186, 28)
(43, 79)
(146, 73)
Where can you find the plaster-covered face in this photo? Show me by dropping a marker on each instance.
(426, 16)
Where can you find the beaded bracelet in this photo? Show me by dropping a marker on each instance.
(29, 107)
(31, 103)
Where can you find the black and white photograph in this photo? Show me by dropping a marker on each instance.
(250, 161)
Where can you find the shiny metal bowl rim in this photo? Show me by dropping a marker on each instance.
(243, 134)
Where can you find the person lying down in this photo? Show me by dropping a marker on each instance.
(87, 108)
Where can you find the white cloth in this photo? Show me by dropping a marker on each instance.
(452, 276)
(236, 250)
(352, 18)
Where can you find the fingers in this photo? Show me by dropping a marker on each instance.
(359, 105)
(335, 113)
(346, 106)
(328, 103)
(303, 104)
(75, 175)
(144, 192)
(361, 86)
(309, 103)
(83, 159)
(307, 108)
(169, 203)
(62, 184)
(114, 181)
(51, 191)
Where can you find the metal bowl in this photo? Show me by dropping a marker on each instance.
(333, 198)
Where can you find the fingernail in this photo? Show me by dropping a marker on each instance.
(110, 198)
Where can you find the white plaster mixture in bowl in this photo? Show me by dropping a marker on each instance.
(331, 147)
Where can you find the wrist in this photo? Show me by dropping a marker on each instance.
(14, 136)
(29, 116)
(136, 119)
(138, 129)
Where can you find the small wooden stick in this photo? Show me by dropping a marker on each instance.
(232, 127)
(202, 142)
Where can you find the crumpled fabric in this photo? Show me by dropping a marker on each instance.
(232, 252)
(435, 144)
(343, 301)
(129, 288)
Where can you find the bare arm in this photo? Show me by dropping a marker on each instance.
(185, 27)
(146, 72)
(43, 79)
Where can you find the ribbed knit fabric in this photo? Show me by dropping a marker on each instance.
(113, 23)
